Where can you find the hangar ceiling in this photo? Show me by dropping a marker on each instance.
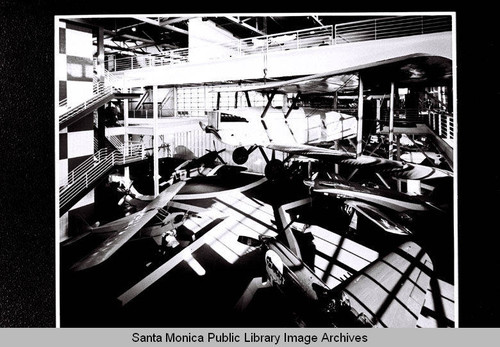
(139, 35)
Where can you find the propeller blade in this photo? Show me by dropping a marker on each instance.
(221, 160)
(122, 200)
(130, 185)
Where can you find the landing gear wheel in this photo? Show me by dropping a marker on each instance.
(240, 155)
(274, 170)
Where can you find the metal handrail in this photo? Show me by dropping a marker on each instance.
(86, 165)
(364, 30)
(116, 142)
(94, 167)
(390, 27)
(442, 123)
(267, 43)
(100, 91)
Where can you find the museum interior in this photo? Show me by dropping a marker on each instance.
(256, 171)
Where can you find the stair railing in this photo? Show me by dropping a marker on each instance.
(100, 90)
(95, 167)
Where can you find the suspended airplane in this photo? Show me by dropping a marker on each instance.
(374, 202)
(390, 292)
(209, 164)
(294, 131)
(122, 230)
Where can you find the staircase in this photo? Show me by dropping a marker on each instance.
(91, 171)
(103, 92)
(88, 174)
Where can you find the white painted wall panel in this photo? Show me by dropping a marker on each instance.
(80, 143)
(60, 67)
(79, 43)
(78, 92)
(63, 172)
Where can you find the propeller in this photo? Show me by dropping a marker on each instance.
(217, 153)
(126, 192)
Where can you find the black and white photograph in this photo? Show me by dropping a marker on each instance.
(207, 175)
(256, 170)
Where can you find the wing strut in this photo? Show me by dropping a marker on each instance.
(294, 102)
(359, 137)
(269, 101)
(264, 155)
(248, 99)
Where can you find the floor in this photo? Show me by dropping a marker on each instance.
(199, 282)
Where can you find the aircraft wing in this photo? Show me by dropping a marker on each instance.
(378, 217)
(114, 225)
(391, 291)
(395, 168)
(327, 82)
(127, 230)
(312, 84)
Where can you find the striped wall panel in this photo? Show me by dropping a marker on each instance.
(73, 85)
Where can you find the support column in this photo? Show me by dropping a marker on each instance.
(126, 172)
(99, 55)
(205, 99)
(101, 127)
(391, 122)
(377, 116)
(156, 176)
(359, 142)
(336, 142)
(398, 158)
(398, 147)
(174, 91)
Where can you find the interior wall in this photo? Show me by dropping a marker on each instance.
(74, 85)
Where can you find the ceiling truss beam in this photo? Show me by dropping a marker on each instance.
(174, 20)
(245, 25)
(159, 24)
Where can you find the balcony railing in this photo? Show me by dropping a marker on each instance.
(298, 39)
(442, 123)
(385, 28)
(365, 30)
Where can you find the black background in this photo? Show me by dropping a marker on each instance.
(27, 156)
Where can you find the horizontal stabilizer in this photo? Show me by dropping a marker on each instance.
(392, 290)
